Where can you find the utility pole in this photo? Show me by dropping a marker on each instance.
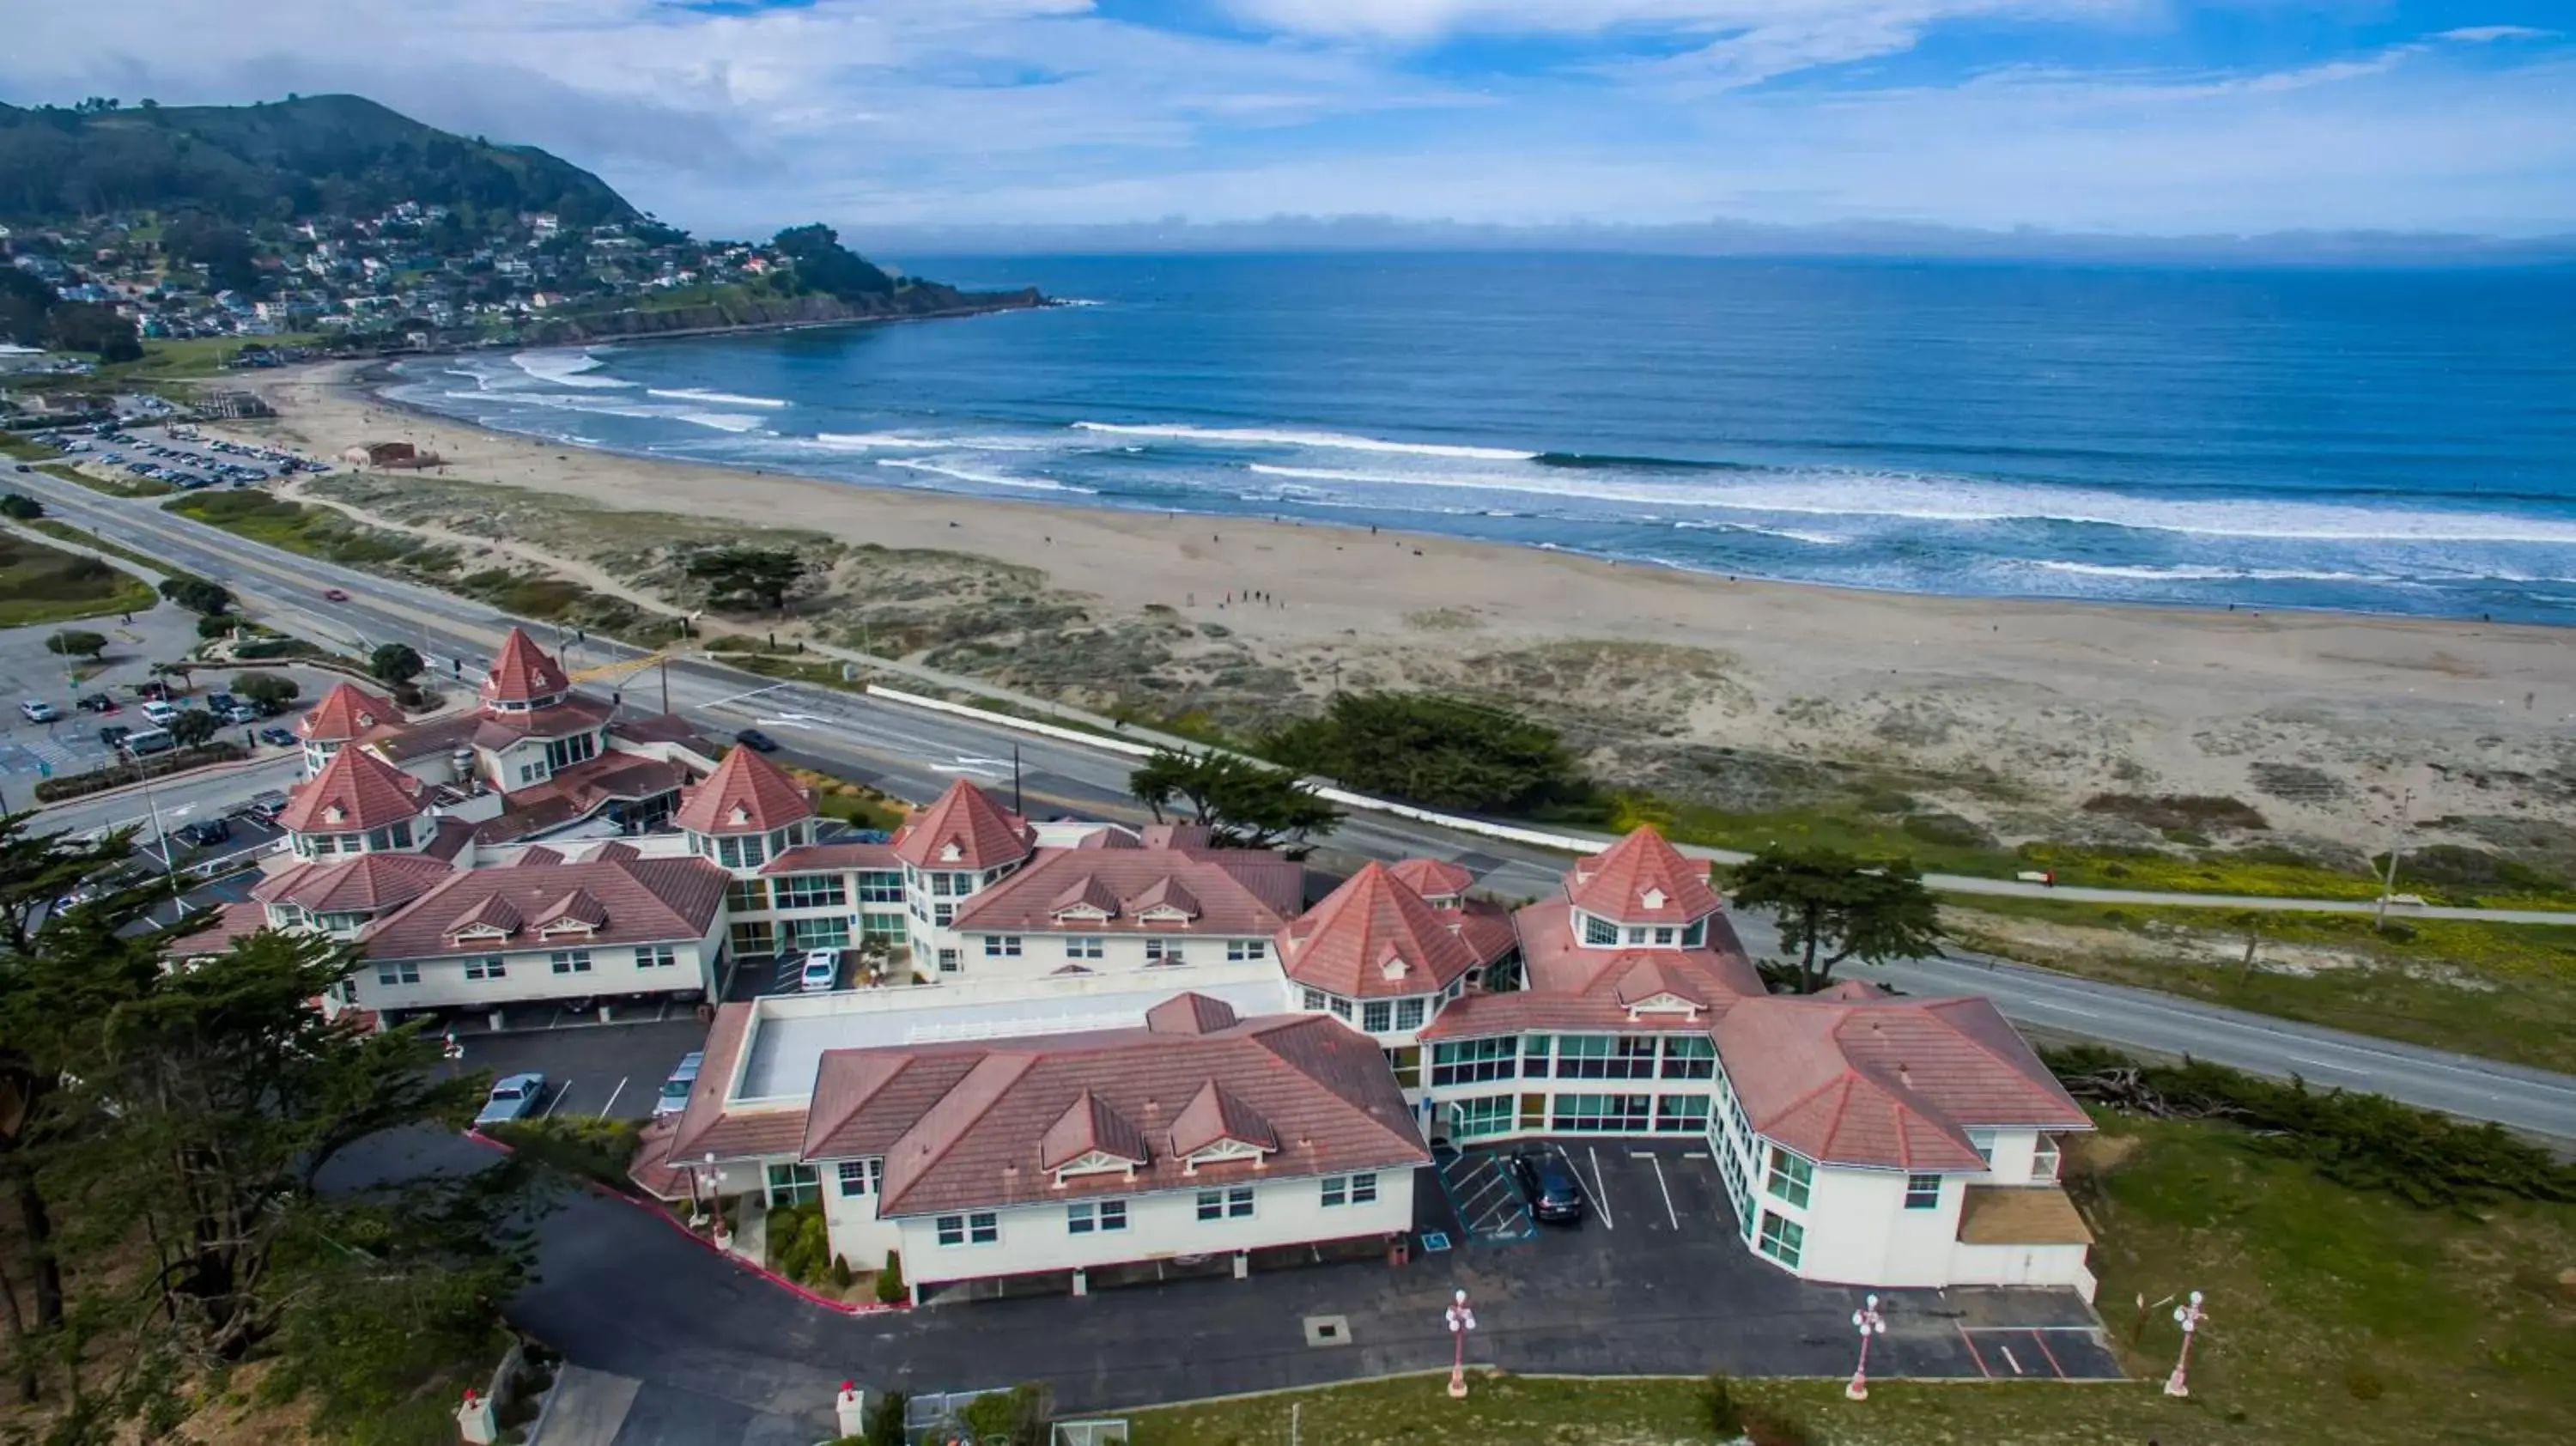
(1016, 806)
(2396, 844)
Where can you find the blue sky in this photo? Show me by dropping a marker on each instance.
(2153, 117)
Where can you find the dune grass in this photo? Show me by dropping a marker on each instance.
(40, 584)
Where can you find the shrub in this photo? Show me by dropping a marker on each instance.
(841, 1276)
(2362, 1385)
(890, 1290)
(885, 1419)
(76, 643)
(2184, 811)
(215, 625)
(1718, 1405)
(19, 507)
(583, 1146)
(1019, 1415)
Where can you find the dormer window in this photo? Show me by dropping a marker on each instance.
(1220, 1153)
(1095, 1162)
(1599, 933)
(950, 853)
(1652, 898)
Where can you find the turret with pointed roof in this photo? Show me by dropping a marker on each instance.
(1374, 938)
(964, 829)
(345, 714)
(523, 676)
(746, 794)
(1641, 880)
(354, 793)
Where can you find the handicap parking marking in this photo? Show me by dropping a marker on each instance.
(17, 758)
(1488, 1204)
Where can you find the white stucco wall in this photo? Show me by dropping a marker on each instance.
(530, 976)
(1287, 1210)
(1860, 1233)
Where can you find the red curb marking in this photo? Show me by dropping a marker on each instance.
(1968, 1341)
(2040, 1339)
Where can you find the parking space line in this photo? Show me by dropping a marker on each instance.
(1599, 1198)
(2041, 1341)
(1970, 1342)
(550, 1106)
(612, 1098)
(1666, 1186)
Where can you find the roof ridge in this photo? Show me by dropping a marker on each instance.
(1025, 1061)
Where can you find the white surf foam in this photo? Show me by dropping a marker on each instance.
(2186, 572)
(1336, 441)
(698, 394)
(1818, 539)
(721, 421)
(564, 367)
(982, 479)
(879, 441)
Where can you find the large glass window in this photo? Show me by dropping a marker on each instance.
(861, 1177)
(812, 891)
(1681, 1114)
(1471, 1061)
(397, 971)
(1408, 1014)
(1377, 1016)
(880, 886)
(656, 956)
(569, 961)
(1477, 1119)
(746, 851)
(1782, 1239)
(1239, 950)
(1163, 952)
(980, 1227)
(1601, 1114)
(1234, 1203)
(1922, 1192)
(1001, 946)
(747, 896)
(1534, 1056)
(793, 1184)
(1791, 1176)
(1082, 946)
(1599, 933)
(1341, 1190)
(1689, 1056)
(1086, 1216)
(491, 966)
(1584, 1056)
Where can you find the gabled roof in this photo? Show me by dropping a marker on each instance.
(1891, 1083)
(354, 792)
(365, 884)
(522, 672)
(636, 901)
(1650, 978)
(1432, 878)
(578, 907)
(490, 913)
(1190, 1014)
(346, 713)
(1374, 937)
(1568, 986)
(1165, 895)
(1086, 895)
(1241, 893)
(746, 794)
(1216, 1115)
(1641, 879)
(963, 829)
(1090, 1126)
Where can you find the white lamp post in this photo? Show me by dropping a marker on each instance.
(1461, 1320)
(1870, 1323)
(2188, 1315)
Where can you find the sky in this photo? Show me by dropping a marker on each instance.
(2123, 117)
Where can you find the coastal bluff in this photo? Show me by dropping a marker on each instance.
(744, 310)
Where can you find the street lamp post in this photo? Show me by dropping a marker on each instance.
(2188, 1315)
(1869, 1322)
(1461, 1320)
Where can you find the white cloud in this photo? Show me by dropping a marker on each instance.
(2481, 34)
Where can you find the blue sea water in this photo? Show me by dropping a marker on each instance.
(2393, 441)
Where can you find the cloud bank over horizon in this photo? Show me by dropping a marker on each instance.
(2129, 117)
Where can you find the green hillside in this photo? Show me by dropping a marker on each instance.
(313, 155)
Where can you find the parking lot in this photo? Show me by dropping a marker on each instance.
(611, 1071)
(1658, 1248)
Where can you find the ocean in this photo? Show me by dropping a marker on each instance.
(2383, 441)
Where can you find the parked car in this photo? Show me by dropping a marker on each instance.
(96, 703)
(37, 710)
(1554, 1193)
(822, 972)
(268, 805)
(114, 735)
(220, 703)
(160, 711)
(238, 713)
(148, 740)
(513, 1097)
(206, 832)
(278, 736)
(675, 1090)
(756, 741)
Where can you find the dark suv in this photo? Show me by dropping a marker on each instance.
(1549, 1184)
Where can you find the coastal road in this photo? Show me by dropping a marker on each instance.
(914, 754)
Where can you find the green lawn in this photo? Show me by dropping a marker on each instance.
(2336, 1319)
(56, 527)
(2507, 991)
(196, 356)
(25, 449)
(127, 486)
(40, 584)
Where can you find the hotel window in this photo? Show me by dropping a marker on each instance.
(747, 896)
(747, 852)
(397, 971)
(1681, 1115)
(532, 772)
(1782, 1239)
(1239, 950)
(948, 961)
(655, 956)
(569, 961)
(1602, 1114)
(488, 967)
(1689, 1056)
(1636, 934)
(1341, 1008)
(1408, 1014)
(1584, 1056)
(1234, 1203)
(1082, 946)
(861, 1177)
(2044, 1159)
(1922, 1192)
(1472, 1061)
(1696, 935)
(1475, 1119)
(1311, 999)
(1001, 946)
(1985, 1143)
(1163, 952)
(979, 1227)
(1534, 1056)
(1377, 1016)
(943, 914)
(1664, 934)
(1791, 1176)
(944, 886)
(1632, 1057)
(812, 891)
(1084, 1217)
(565, 752)
(793, 1184)
(401, 832)
(880, 886)
(1349, 1190)
(1599, 933)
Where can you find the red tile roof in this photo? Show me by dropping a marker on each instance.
(522, 672)
(833, 858)
(963, 829)
(966, 1126)
(561, 719)
(219, 931)
(365, 884)
(1641, 880)
(1568, 986)
(639, 901)
(1216, 1116)
(1190, 1014)
(1432, 878)
(1374, 937)
(346, 712)
(1892, 1083)
(1242, 893)
(355, 791)
(1090, 1126)
(746, 794)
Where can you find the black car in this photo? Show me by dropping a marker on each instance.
(277, 737)
(756, 741)
(114, 734)
(1550, 1186)
(95, 703)
(206, 833)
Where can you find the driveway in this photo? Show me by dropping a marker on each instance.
(608, 1070)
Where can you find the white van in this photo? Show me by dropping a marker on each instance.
(149, 740)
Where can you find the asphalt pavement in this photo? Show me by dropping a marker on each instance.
(914, 754)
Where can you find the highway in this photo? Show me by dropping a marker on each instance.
(914, 754)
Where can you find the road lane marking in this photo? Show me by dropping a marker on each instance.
(612, 1097)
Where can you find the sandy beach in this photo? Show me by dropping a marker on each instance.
(2003, 712)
